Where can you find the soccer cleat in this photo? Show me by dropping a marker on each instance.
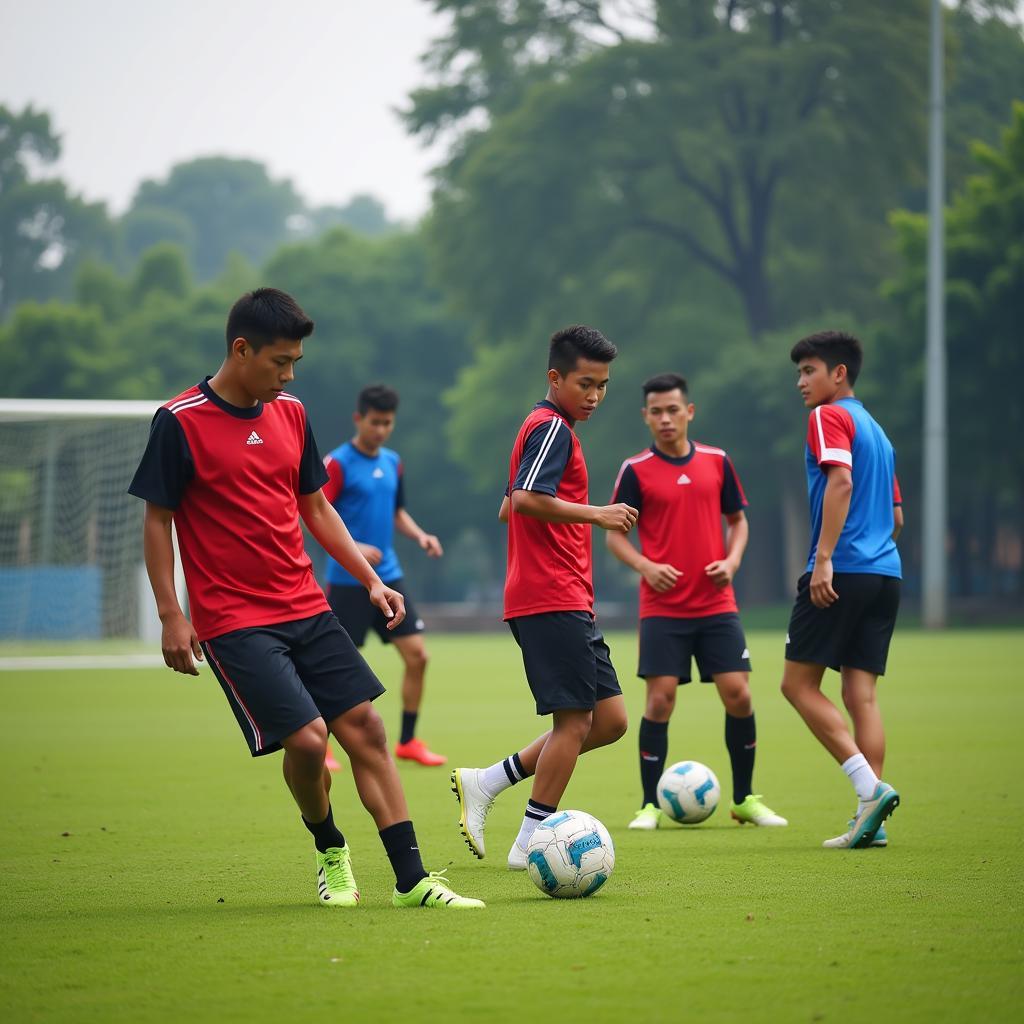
(474, 803)
(754, 812)
(416, 750)
(433, 891)
(647, 818)
(843, 842)
(336, 885)
(883, 802)
(517, 859)
(331, 763)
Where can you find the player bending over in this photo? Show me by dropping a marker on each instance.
(365, 486)
(549, 594)
(232, 463)
(846, 602)
(682, 490)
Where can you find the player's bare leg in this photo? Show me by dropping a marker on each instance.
(801, 686)
(303, 768)
(861, 700)
(413, 652)
(361, 733)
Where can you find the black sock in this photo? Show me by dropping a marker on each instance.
(408, 726)
(741, 741)
(404, 853)
(653, 752)
(538, 811)
(325, 833)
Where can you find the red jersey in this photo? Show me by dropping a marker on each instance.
(681, 502)
(233, 477)
(549, 564)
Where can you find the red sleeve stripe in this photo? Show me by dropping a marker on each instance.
(549, 437)
(837, 455)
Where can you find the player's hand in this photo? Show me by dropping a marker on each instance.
(619, 518)
(822, 594)
(721, 572)
(661, 576)
(370, 553)
(179, 644)
(390, 602)
(431, 545)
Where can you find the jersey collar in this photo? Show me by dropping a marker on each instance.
(545, 404)
(682, 460)
(252, 413)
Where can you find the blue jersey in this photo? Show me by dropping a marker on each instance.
(367, 492)
(843, 433)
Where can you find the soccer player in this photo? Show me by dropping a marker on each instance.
(846, 603)
(682, 490)
(232, 464)
(365, 486)
(549, 594)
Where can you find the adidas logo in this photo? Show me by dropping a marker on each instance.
(683, 479)
(746, 652)
(254, 438)
(378, 473)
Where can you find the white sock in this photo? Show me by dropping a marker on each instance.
(500, 776)
(860, 774)
(535, 814)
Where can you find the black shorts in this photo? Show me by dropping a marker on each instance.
(854, 632)
(279, 678)
(567, 662)
(716, 641)
(355, 612)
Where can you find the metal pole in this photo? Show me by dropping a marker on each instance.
(934, 513)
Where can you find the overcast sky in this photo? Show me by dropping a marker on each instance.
(308, 87)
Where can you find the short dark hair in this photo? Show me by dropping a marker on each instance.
(832, 348)
(571, 344)
(665, 382)
(378, 397)
(266, 315)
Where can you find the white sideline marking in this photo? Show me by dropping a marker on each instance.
(72, 661)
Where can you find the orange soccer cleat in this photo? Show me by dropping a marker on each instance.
(416, 750)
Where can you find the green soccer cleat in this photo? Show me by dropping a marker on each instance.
(433, 891)
(843, 842)
(647, 818)
(753, 812)
(883, 802)
(336, 885)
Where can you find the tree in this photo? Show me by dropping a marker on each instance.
(212, 206)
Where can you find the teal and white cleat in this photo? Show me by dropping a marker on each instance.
(335, 883)
(474, 803)
(433, 891)
(883, 802)
(843, 842)
(647, 818)
(753, 812)
(517, 858)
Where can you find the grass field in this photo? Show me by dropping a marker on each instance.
(153, 872)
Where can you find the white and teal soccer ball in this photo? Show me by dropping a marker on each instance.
(688, 792)
(570, 855)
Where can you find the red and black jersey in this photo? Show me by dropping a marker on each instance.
(549, 564)
(233, 477)
(681, 502)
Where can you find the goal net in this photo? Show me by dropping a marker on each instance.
(70, 534)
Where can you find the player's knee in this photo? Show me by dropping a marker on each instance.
(660, 706)
(576, 726)
(616, 728)
(309, 744)
(737, 701)
(854, 700)
(790, 689)
(417, 659)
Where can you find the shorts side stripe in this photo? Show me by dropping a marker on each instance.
(215, 664)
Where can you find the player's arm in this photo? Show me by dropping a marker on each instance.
(326, 526)
(555, 510)
(897, 508)
(408, 527)
(835, 507)
(737, 534)
(178, 639)
(503, 509)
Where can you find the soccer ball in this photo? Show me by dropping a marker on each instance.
(570, 855)
(688, 792)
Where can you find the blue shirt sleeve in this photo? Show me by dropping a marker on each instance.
(166, 467)
(545, 456)
(628, 488)
(312, 474)
(733, 498)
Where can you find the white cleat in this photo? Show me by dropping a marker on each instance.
(474, 803)
(517, 858)
(646, 819)
(844, 841)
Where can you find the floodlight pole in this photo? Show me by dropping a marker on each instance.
(934, 582)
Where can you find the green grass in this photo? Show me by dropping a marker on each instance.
(185, 889)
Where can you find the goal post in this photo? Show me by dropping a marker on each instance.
(71, 564)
